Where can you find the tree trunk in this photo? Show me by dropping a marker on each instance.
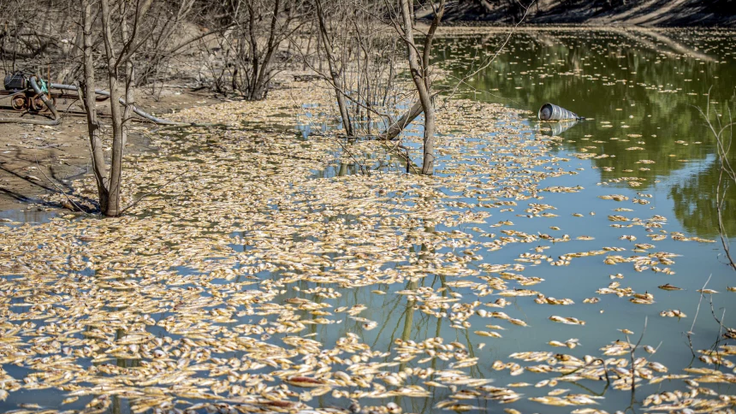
(263, 77)
(257, 92)
(429, 128)
(118, 138)
(99, 168)
(129, 82)
(421, 79)
(334, 74)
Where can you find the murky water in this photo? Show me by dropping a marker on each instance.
(645, 136)
(643, 96)
(644, 141)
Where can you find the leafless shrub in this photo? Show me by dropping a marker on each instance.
(249, 54)
(357, 56)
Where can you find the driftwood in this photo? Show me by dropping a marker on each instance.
(409, 116)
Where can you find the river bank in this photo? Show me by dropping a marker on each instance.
(38, 160)
(648, 13)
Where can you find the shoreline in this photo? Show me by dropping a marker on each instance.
(504, 29)
(36, 160)
(643, 13)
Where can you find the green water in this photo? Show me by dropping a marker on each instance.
(634, 96)
(637, 95)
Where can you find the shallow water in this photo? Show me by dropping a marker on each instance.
(642, 105)
(318, 243)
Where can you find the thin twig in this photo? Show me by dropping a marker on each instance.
(690, 332)
(488, 63)
(632, 356)
(714, 347)
(725, 169)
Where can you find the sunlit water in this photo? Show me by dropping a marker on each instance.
(635, 97)
(644, 125)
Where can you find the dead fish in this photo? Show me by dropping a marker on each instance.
(304, 382)
(566, 320)
(672, 313)
(667, 286)
(491, 334)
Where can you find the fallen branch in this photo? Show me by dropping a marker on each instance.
(409, 116)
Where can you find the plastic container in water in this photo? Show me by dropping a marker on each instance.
(552, 112)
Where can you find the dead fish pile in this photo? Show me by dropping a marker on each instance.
(249, 283)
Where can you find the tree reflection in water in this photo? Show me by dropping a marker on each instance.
(641, 92)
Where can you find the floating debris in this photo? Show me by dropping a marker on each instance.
(667, 286)
(672, 313)
(566, 320)
(255, 278)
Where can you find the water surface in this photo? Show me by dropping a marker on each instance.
(300, 249)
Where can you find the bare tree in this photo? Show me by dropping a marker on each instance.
(336, 73)
(99, 168)
(360, 55)
(419, 68)
(158, 48)
(38, 37)
(260, 27)
(123, 33)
